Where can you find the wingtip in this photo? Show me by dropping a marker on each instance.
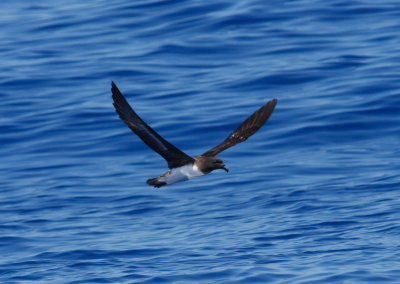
(113, 86)
(272, 103)
(114, 90)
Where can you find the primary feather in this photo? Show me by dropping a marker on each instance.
(169, 152)
(245, 130)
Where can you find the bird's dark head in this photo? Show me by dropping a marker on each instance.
(208, 164)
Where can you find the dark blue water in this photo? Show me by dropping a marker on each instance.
(313, 197)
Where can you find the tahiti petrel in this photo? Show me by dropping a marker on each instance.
(181, 166)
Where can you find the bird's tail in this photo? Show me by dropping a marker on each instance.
(155, 182)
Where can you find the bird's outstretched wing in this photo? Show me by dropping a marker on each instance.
(246, 129)
(173, 156)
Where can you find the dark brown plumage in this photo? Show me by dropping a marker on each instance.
(183, 167)
(246, 129)
(173, 156)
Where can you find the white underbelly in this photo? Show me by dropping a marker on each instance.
(182, 174)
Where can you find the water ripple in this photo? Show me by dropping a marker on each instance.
(311, 198)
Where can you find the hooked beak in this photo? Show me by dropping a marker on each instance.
(225, 168)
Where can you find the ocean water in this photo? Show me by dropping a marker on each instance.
(313, 197)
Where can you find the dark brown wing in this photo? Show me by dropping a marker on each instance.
(173, 156)
(246, 129)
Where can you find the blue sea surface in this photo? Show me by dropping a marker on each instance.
(312, 197)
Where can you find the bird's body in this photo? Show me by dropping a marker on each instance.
(181, 166)
(175, 175)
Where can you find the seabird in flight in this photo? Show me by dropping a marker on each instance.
(181, 166)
